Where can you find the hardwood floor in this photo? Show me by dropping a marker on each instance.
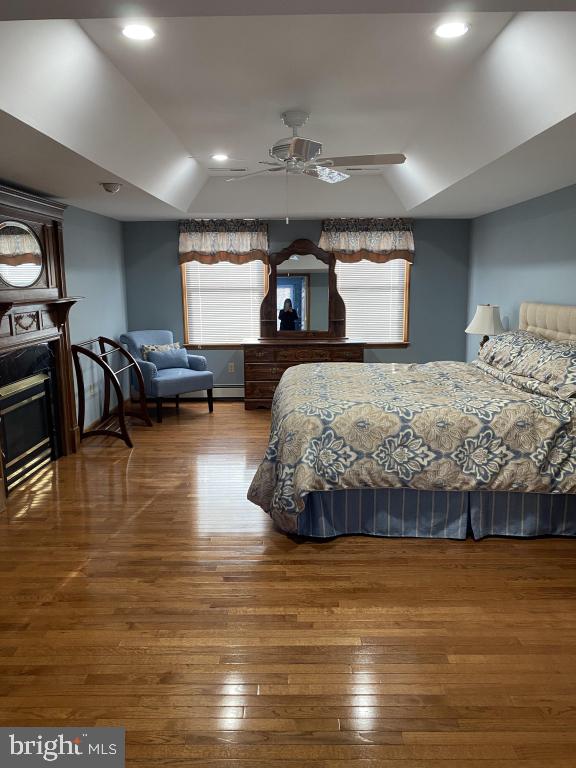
(141, 588)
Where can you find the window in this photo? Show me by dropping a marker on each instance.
(376, 298)
(222, 301)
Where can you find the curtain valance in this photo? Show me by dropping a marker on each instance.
(378, 240)
(210, 241)
(18, 247)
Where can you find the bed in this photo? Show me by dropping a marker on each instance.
(438, 450)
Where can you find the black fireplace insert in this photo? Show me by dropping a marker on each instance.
(28, 417)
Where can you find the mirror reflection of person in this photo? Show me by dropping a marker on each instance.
(288, 317)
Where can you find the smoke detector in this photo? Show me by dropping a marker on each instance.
(112, 187)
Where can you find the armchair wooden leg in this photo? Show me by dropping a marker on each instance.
(210, 401)
(159, 410)
(177, 403)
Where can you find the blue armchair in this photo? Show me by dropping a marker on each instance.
(169, 382)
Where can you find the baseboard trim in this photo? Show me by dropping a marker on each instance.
(219, 393)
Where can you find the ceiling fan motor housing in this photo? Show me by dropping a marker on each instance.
(296, 148)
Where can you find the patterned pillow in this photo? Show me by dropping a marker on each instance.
(145, 348)
(552, 363)
(501, 351)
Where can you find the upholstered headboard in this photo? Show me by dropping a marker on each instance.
(552, 321)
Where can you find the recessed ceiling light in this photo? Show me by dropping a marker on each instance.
(220, 157)
(452, 29)
(138, 32)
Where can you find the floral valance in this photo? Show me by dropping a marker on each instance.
(212, 240)
(378, 240)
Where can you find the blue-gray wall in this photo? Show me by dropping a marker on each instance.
(438, 300)
(281, 234)
(130, 277)
(524, 253)
(438, 294)
(93, 255)
(154, 291)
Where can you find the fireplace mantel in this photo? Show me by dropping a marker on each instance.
(38, 313)
(24, 323)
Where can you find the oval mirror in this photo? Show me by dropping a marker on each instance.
(20, 255)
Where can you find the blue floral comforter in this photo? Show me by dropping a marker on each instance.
(443, 425)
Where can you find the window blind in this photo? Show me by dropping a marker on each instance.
(374, 295)
(20, 275)
(223, 301)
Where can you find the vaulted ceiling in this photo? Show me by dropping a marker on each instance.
(486, 120)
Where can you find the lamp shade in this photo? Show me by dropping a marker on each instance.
(486, 320)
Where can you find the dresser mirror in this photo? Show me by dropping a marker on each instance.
(20, 255)
(302, 300)
(302, 294)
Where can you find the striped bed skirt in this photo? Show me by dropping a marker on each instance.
(436, 514)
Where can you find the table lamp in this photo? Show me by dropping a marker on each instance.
(486, 322)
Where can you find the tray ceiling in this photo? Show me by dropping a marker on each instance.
(468, 113)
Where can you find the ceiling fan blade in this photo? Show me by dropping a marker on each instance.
(274, 165)
(360, 160)
(256, 173)
(329, 175)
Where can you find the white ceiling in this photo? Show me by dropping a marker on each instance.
(33, 161)
(475, 116)
(543, 164)
(222, 83)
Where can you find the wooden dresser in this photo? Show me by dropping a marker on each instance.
(265, 360)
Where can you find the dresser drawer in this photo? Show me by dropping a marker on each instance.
(259, 354)
(349, 355)
(265, 371)
(319, 354)
(303, 354)
(259, 390)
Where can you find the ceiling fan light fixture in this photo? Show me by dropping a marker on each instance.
(220, 157)
(297, 155)
(330, 174)
(138, 32)
(451, 29)
(296, 148)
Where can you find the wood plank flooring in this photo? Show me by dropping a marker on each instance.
(141, 588)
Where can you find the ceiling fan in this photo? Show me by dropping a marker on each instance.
(297, 155)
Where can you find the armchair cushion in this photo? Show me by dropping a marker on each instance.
(179, 381)
(169, 358)
(197, 362)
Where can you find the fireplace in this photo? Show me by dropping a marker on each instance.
(28, 413)
(37, 407)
